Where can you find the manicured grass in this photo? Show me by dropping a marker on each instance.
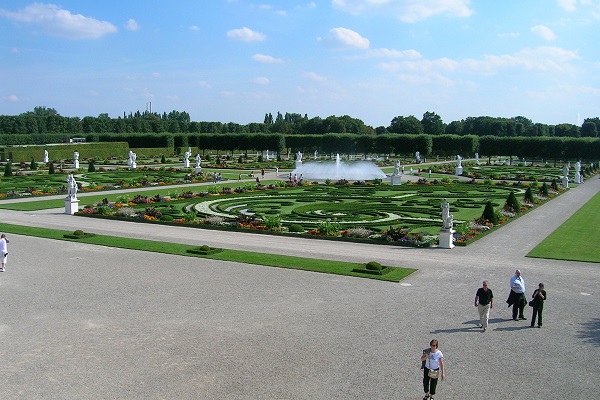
(39, 203)
(272, 260)
(574, 240)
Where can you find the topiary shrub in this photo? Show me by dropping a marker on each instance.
(489, 214)
(529, 195)
(373, 266)
(544, 190)
(51, 168)
(8, 169)
(78, 234)
(163, 159)
(512, 204)
(296, 228)
(91, 166)
(166, 218)
(204, 250)
(33, 165)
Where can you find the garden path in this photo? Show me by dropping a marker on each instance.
(83, 321)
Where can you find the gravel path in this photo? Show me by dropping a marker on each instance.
(89, 322)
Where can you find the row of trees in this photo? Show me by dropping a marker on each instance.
(44, 120)
(547, 148)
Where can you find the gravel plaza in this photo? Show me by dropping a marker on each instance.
(80, 321)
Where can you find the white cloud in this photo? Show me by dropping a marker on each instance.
(544, 32)
(246, 35)
(408, 11)
(56, 21)
(261, 80)
(343, 38)
(313, 76)
(194, 28)
(261, 58)
(390, 53)
(568, 5)
(204, 84)
(540, 59)
(13, 98)
(14, 50)
(132, 25)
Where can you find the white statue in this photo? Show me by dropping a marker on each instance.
(316, 154)
(186, 158)
(418, 157)
(578, 166)
(75, 156)
(397, 168)
(298, 156)
(447, 218)
(458, 161)
(198, 160)
(45, 156)
(565, 171)
(71, 187)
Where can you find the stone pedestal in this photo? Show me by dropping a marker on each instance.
(298, 164)
(133, 165)
(45, 160)
(71, 205)
(459, 171)
(186, 163)
(198, 170)
(565, 182)
(446, 238)
(76, 164)
(577, 177)
(396, 180)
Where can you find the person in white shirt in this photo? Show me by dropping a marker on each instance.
(433, 369)
(3, 251)
(517, 296)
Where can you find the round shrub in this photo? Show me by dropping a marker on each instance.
(78, 232)
(373, 266)
(204, 248)
(167, 218)
(296, 228)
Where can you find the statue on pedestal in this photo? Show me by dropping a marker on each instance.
(71, 187)
(447, 218)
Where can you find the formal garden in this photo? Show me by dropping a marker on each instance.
(373, 212)
(224, 195)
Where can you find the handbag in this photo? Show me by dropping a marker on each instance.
(531, 303)
(434, 373)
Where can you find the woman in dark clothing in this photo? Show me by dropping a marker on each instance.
(539, 295)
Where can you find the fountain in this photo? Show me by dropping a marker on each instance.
(338, 169)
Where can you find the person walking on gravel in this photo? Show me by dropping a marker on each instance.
(3, 251)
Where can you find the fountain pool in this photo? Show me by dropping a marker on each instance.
(338, 169)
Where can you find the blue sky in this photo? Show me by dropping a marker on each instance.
(235, 60)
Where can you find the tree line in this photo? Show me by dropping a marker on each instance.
(44, 120)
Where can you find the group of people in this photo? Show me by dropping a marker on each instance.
(433, 359)
(484, 299)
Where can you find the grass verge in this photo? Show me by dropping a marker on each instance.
(573, 240)
(271, 260)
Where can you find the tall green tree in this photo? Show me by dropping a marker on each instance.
(432, 124)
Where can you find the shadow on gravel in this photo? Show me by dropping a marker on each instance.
(590, 332)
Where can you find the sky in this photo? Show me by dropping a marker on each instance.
(236, 60)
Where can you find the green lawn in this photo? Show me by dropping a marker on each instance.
(575, 239)
(271, 260)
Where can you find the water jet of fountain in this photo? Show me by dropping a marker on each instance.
(338, 169)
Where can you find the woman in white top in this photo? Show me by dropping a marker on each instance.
(434, 368)
(3, 251)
